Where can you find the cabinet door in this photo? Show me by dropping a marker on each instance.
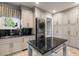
(73, 31)
(77, 30)
(17, 44)
(60, 29)
(55, 31)
(65, 30)
(26, 39)
(65, 19)
(77, 42)
(60, 18)
(4, 49)
(25, 42)
(72, 41)
(73, 16)
(27, 18)
(55, 19)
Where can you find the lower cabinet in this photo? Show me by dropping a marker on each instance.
(12, 45)
(4, 49)
(25, 42)
(17, 44)
(72, 41)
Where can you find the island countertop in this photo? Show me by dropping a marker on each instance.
(40, 46)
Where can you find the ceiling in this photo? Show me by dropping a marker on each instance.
(48, 6)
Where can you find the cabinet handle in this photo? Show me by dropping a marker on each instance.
(77, 19)
(68, 32)
(68, 21)
(23, 39)
(76, 33)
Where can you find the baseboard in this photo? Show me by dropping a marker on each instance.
(15, 52)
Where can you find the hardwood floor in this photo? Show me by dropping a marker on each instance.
(73, 51)
(70, 52)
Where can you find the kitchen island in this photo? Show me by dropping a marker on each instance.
(45, 49)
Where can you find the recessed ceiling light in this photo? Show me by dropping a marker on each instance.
(54, 11)
(37, 2)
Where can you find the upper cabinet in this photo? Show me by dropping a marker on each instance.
(60, 19)
(39, 13)
(26, 17)
(7, 10)
(65, 20)
(72, 15)
(57, 19)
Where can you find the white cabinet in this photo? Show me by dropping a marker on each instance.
(55, 30)
(17, 44)
(60, 29)
(12, 45)
(60, 18)
(55, 19)
(27, 17)
(4, 48)
(65, 30)
(72, 41)
(65, 20)
(25, 40)
(73, 30)
(73, 16)
(59, 32)
(77, 30)
(77, 43)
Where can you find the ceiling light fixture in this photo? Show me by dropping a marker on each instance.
(54, 11)
(37, 2)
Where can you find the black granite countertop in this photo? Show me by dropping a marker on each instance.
(6, 37)
(40, 45)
